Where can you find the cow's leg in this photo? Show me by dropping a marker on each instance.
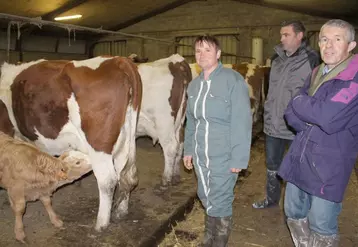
(18, 205)
(128, 180)
(177, 165)
(46, 201)
(105, 174)
(170, 148)
(124, 163)
(256, 111)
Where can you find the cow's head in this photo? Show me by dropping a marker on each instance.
(76, 164)
(136, 59)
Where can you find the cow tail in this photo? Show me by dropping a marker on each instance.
(180, 119)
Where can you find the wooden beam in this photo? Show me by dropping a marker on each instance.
(149, 14)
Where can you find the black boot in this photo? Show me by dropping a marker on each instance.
(273, 191)
(209, 232)
(223, 230)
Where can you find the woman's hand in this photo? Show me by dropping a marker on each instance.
(235, 170)
(188, 162)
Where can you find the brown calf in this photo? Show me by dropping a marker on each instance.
(29, 174)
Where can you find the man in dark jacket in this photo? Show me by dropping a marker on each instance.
(321, 158)
(291, 64)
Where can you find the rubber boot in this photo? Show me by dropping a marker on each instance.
(223, 230)
(273, 191)
(300, 231)
(209, 231)
(318, 240)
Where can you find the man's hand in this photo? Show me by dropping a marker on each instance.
(188, 162)
(235, 170)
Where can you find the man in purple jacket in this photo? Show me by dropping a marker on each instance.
(321, 158)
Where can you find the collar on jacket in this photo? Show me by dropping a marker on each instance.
(212, 74)
(281, 52)
(319, 77)
(351, 70)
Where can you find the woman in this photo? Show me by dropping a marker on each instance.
(217, 137)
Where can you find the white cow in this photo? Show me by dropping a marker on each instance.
(162, 112)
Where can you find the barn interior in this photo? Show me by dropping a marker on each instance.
(247, 30)
(156, 29)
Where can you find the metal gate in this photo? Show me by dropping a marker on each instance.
(111, 48)
(313, 37)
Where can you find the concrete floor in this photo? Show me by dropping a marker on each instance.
(77, 205)
(150, 213)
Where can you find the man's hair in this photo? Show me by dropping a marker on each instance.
(296, 25)
(211, 40)
(341, 24)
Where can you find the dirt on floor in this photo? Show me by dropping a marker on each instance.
(261, 228)
(77, 206)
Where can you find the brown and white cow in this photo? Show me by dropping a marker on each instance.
(256, 78)
(91, 106)
(162, 112)
(5, 123)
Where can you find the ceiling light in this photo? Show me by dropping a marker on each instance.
(67, 17)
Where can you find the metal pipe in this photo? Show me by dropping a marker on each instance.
(39, 23)
(8, 41)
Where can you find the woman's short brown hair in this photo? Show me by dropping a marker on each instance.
(211, 40)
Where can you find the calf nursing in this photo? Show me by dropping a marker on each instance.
(29, 174)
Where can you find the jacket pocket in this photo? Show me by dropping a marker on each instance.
(327, 163)
(217, 107)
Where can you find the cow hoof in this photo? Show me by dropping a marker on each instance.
(160, 188)
(176, 180)
(24, 241)
(20, 236)
(120, 215)
(100, 228)
(57, 223)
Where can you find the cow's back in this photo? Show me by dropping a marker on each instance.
(79, 102)
(103, 98)
(39, 100)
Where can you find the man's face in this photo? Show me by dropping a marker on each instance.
(290, 40)
(334, 45)
(206, 55)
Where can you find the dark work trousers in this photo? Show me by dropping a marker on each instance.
(275, 150)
